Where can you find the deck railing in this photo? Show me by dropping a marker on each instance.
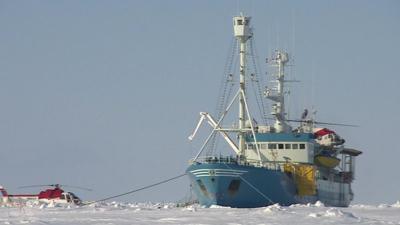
(275, 165)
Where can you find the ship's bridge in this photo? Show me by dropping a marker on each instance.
(281, 147)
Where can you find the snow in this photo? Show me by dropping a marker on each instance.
(168, 213)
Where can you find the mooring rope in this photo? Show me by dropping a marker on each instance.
(135, 190)
(252, 186)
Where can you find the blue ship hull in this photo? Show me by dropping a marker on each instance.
(240, 186)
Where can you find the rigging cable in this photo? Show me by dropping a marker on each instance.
(257, 79)
(224, 92)
(226, 74)
(136, 190)
(253, 187)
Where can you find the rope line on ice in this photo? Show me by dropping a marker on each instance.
(136, 190)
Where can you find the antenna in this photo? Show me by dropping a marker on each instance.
(312, 83)
(293, 51)
(277, 34)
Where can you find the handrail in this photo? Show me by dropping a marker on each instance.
(276, 165)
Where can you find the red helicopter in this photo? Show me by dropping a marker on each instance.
(51, 195)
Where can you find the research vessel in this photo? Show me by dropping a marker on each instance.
(276, 163)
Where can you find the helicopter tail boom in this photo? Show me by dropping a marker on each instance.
(3, 191)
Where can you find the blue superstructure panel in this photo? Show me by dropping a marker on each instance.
(281, 137)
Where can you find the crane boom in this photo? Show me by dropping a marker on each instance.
(215, 126)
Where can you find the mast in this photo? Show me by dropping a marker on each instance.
(242, 32)
(279, 60)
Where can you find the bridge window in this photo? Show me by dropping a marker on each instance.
(287, 146)
(302, 146)
(271, 146)
(280, 146)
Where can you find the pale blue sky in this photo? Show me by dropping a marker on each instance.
(103, 94)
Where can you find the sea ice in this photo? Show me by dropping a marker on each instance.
(119, 213)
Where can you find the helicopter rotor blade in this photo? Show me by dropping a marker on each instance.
(337, 124)
(38, 185)
(56, 185)
(77, 187)
(322, 123)
(325, 123)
